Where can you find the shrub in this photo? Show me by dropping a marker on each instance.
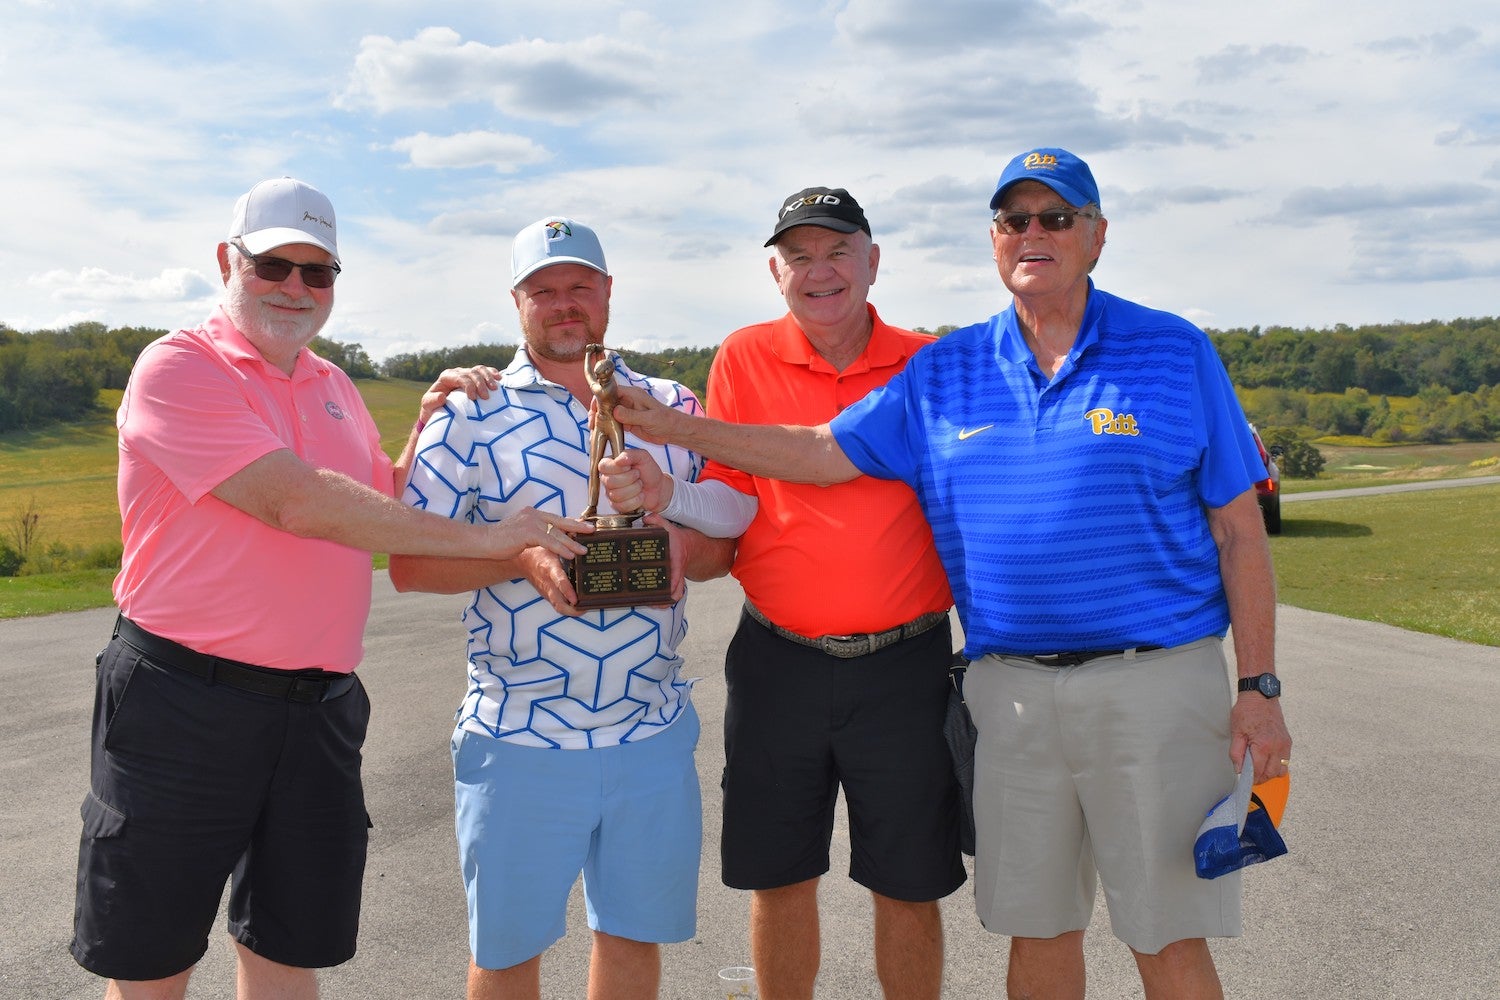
(1298, 459)
(10, 559)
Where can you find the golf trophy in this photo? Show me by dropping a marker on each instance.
(627, 564)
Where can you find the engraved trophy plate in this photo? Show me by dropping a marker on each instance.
(623, 567)
(626, 563)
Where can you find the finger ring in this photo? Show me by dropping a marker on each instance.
(549, 531)
(1285, 762)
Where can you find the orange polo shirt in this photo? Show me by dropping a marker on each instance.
(823, 560)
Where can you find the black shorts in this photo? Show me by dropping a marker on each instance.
(194, 783)
(799, 724)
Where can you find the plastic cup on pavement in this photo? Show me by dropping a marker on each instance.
(737, 983)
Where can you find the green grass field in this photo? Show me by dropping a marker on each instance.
(1429, 561)
(1425, 561)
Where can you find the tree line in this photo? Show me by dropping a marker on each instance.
(1446, 374)
(688, 365)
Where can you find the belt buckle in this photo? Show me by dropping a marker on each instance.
(308, 689)
(845, 647)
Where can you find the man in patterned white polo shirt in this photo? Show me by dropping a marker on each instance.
(574, 745)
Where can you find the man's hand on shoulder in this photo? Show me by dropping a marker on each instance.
(476, 382)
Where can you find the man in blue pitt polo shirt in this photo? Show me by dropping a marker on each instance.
(1087, 473)
(574, 745)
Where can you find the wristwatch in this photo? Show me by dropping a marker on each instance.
(1267, 684)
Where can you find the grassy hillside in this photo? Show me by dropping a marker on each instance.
(69, 470)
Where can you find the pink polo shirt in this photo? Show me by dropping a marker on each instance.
(201, 405)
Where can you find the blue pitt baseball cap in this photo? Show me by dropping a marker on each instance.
(1241, 828)
(554, 240)
(1059, 169)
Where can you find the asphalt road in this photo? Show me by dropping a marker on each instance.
(1366, 491)
(1390, 889)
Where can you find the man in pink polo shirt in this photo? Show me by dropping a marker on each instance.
(228, 720)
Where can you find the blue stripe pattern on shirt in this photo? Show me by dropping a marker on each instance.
(1069, 512)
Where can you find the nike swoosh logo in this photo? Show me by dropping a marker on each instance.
(965, 434)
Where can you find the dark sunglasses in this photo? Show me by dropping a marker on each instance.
(278, 269)
(1054, 220)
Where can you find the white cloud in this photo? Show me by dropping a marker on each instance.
(505, 153)
(531, 78)
(1000, 25)
(94, 284)
(1286, 165)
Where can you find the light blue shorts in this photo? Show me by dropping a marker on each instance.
(529, 820)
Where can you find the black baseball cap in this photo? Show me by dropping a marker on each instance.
(831, 208)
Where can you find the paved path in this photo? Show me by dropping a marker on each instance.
(1369, 491)
(1390, 891)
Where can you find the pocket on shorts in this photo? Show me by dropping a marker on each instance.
(100, 819)
(468, 762)
(118, 669)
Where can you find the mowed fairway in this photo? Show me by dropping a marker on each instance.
(1426, 561)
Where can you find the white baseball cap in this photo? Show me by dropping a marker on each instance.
(554, 240)
(276, 212)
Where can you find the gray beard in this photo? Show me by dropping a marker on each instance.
(251, 318)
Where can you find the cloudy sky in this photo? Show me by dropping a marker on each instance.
(1270, 163)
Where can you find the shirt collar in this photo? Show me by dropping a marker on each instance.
(884, 348)
(1013, 346)
(522, 373)
(233, 345)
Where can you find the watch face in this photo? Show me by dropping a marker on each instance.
(1268, 685)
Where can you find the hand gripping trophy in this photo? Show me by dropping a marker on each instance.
(626, 564)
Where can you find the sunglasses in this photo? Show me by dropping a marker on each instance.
(278, 269)
(1054, 220)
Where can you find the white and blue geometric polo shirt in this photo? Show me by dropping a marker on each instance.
(538, 678)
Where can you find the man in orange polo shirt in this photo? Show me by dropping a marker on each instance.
(837, 673)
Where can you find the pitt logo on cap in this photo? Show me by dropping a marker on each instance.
(557, 229)
(1040, 161)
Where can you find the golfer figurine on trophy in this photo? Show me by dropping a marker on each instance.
(626, 563)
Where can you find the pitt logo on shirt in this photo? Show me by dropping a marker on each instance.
(1104, 421)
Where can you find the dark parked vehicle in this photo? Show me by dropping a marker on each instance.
(1268, 490)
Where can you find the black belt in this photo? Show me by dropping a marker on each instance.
(846, 647)
(288, 685)
(1073, 659)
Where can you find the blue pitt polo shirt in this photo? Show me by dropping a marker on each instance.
(1069, 513)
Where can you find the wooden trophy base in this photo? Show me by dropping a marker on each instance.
(623, 567)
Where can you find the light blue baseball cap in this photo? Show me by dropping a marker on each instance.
(554, 240)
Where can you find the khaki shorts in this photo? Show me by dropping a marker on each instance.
(1101, 773)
